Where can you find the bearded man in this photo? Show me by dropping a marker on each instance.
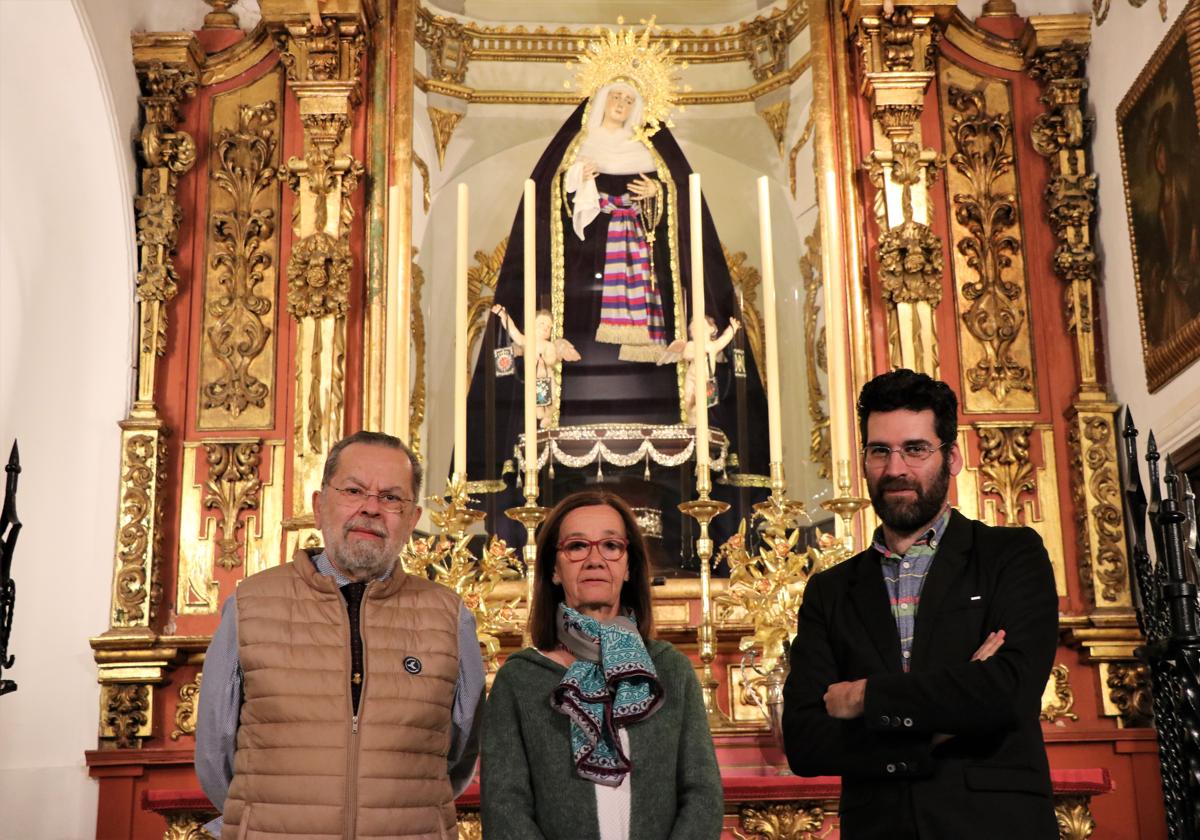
(918, 666)
(339, 693)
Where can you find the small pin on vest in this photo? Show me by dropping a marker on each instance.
(412, 664)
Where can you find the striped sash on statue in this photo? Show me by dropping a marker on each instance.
(631, 310)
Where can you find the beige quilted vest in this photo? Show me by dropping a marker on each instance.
(305, 768)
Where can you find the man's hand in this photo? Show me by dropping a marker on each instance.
(844, 700)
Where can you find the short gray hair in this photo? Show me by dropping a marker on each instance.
(374, 439)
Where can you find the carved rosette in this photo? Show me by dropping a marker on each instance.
(167, 66)
(1129, 690)
(1056, 49)
(137, 590)
(242, 234)
(1074, 816)
(1095, 487)
(185, 712)
(125, 714)
(780, 822)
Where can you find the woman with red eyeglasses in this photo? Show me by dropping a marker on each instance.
(598, 731)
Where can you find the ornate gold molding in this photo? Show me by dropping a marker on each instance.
(322, 57)
(815, 356)
(126, 714)
(481, 286)
(996, 349)
(167, 66)
(1096, 492)
(1058, 700)
(789, 821)
(186, 825)
(1056, 48)
(416, 407)
(805, 136)
(746, 281)
(469, 826)
(233, 486)
(1126, 691)
(1004, 466)
(237, 355)
(185, 711)
(1074, 816)
(443, 122)
(137, 589)
(776, 116)
(220, 17)
(423, 168)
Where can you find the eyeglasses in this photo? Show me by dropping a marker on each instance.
(357, 497)
(918, 452)
(577, 549)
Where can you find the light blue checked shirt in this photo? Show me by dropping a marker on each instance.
(904, 576)
(221, 703)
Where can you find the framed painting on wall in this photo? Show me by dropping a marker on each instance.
(1158, 126)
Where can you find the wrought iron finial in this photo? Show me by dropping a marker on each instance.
(10, 527)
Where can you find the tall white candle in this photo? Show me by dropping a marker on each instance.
(774, 432)
(531, 343)
(700, 347)
(460, 338)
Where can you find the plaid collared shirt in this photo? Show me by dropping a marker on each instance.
(904, 576)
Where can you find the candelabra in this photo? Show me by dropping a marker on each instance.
(530, 515)
(703, 510)
(845, 505)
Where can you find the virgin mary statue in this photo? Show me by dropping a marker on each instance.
(614, 269)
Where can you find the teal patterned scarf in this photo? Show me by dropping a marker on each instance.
(612, 683)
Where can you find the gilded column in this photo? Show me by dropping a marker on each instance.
(323, 56)
(1056, 48)
(897, 48)
(167, 66)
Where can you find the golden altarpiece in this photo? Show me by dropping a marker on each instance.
(933, 209)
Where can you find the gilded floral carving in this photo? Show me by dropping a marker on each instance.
(137, 592)
(1074, 816)
(1005, 468)
(996, 315)
(242, 232)
(233, 486)
(481, 286)
(1063, 702)
(781, 822)
(1129, 690)
(1103, 569)
(319, 276)
(815, 362)
(186, 825)
(126, 714)
(185, 711)
(416, 407)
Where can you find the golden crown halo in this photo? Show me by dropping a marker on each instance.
(649, 67)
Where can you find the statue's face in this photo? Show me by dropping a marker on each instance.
(544, 325)
(619, 106)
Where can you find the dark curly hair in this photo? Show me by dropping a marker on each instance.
(903, 388)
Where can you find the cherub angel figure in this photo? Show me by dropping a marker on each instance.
(686, 350)
(550, 353)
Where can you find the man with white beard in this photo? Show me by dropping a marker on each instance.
(339, 693)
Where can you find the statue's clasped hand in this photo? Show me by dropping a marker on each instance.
(643, 187)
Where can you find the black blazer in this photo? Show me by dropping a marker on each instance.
(991, 780)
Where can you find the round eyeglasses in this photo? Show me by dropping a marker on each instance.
(577, 549)
(918, 452)
(357, 497)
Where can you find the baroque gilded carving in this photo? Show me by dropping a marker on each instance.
(1062, 698)
(416, 407)
(137, 589)
(233, 486)
(776, 117)
(746, 281)
(469, 826)
(995, 317)
(1056, 50)
(1095, 487)
(185, 711)
(1005, 468)
(125, 714)
(423, 168)
(910, 254)
(1074, 816)
(481, 286)
(186, 825)
(781, 822)
(1129, 689)
(815, 360)
(237, 326)
(443, 122)
(801, 142)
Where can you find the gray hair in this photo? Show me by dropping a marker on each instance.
(374, 439)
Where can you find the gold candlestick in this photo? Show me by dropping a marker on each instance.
(530, 515)
(845, 505)
(456, 517)
(703, 509)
